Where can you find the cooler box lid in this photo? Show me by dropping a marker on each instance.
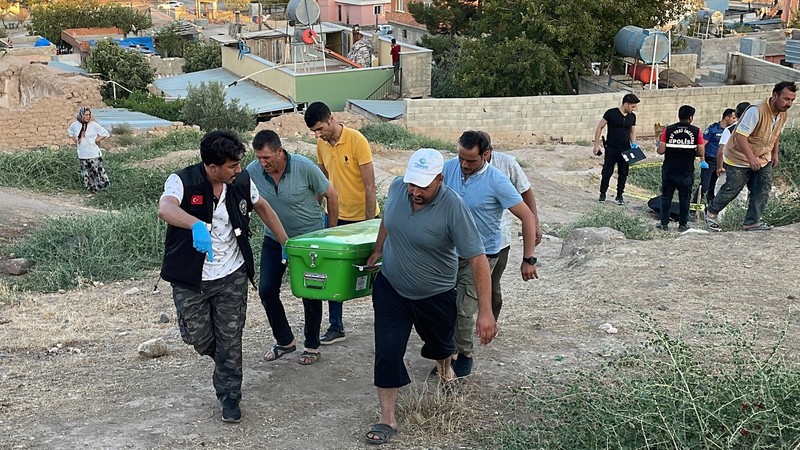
(345, 239)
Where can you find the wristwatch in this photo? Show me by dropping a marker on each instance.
(532, 260)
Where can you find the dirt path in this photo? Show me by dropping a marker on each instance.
(95, 391)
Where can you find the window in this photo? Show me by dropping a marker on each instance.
(405, 34)
(398, 5)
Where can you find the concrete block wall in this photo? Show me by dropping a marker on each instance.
(416, 66)
(714, 51)
(43, 103)
(686, 64)
(166, 67)
(569, 118)
(746, 69)
(595, 85)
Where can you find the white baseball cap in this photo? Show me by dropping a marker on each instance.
(423, 167)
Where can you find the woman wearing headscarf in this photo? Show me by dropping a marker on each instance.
(86, 133)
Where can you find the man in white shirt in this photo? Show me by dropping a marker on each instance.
(208, 258)
(509, 166)
(751, 155)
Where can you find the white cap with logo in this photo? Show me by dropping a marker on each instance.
(423, 167)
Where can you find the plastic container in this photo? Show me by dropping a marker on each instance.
(324, 264)
(650, 46)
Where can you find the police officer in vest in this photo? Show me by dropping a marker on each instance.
(208, 258)
(680, 143)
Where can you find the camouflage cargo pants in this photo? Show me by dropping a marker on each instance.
(212, 321)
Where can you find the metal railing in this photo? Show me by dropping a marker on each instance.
(388, 89)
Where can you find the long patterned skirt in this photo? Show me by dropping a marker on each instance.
(94, 174)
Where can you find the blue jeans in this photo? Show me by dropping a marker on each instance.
(758, 182)
(269, 289)
(681, 180)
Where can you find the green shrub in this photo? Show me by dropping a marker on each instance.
(649, 178)
(780, 210)
(206, 107)
(104, 247)
(154, 105)
(395, 136)
(114, 63)
(121, 129)
(725, 389)
(200, 56)
(789, 167)
(633, 227)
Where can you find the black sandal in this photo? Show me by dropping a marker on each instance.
(278, 351)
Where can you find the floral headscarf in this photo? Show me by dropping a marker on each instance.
(79, 117)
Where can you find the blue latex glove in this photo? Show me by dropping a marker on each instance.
(284, 255)
(634, 145)
(703, 165)
(201, 239)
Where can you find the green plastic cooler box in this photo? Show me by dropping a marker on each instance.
(329, 264)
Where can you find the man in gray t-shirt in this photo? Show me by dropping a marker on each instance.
(425, 227)
(291, 184)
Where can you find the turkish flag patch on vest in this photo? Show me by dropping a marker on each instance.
(197, 200)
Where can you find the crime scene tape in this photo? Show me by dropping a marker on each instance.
(646, 165)
(692, 206)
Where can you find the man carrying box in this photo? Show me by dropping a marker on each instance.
(425, 227)
(345, 158)
(291, 184)
(208, 259)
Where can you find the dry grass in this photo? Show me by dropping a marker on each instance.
(425, 408)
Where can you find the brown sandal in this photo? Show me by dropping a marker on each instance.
(308, 358)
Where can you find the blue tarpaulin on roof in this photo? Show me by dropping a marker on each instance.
(42, 42)
(140, 44)
(143, 44)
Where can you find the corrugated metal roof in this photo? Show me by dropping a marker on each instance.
(793, 51)
(388, 109)
(260, 99)
(64, 67)
(110, 117)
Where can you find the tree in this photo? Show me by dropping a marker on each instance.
(500, 36)
(206, 107)
(170, 44)
(485, 68)
(128, 68)
(200, 56)
(445, 16)
(49, 19)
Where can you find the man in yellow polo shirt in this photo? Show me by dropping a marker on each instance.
(345, 158)
(751, 154)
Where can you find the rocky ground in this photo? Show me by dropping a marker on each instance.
(71, 375)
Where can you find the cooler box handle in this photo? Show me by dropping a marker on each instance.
(364, 267)
(315, 280)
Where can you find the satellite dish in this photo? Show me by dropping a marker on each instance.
(304, 12)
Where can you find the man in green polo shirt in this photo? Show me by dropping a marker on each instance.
(291, 184)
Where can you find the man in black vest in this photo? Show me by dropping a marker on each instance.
(680, 143)
(208, 258)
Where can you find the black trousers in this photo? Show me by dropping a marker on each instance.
(614, 158)
(671, 180)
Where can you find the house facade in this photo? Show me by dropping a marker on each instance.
(354, 12)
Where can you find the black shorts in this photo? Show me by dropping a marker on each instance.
(434, 318)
